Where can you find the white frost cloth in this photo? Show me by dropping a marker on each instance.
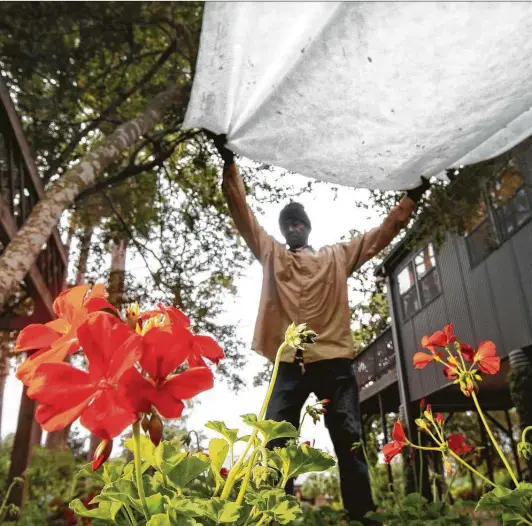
(365, 94)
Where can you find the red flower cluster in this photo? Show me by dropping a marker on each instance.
(485, 356)
(130, 370)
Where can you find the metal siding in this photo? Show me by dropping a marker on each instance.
(408, 347)
(425, 322)
(522, 245)
(483, 315)
(457, 308)
(508, 299)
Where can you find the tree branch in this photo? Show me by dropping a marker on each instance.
(132, 170)
(117, 103)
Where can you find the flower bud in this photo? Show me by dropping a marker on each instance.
(156, 429)
(422, 403)
(428, 413)
(224, 472)
(297, 336)
(439, 419)
(145, 422)
(421, 424)
(102, 453)
(325, 401)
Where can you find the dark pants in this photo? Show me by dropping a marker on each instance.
(335, 380)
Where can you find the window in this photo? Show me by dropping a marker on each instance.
(505, 209)
(419, 282)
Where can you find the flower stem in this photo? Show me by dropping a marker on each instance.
(272, 381)
(494, 442)
(524, 433)
(130, 515)
(470, 468)
(420, 464)
(449, 486)
(6, 498)
(138, 469)
(236, 468)
(264, 517)
(245, 482)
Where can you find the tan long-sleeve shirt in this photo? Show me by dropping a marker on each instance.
(305, 286)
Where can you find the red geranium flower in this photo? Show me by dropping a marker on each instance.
(197, 347)
(457, 443)
(487, 359)
(54, 340)
(164, 351)
(467, 352)
(422, 359)
(395, 447)
(439, 338)
(65, 393)
(450, 372)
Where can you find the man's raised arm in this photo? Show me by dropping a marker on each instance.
(361, 249)
(234, 191)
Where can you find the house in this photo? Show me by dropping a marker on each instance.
(481, 282)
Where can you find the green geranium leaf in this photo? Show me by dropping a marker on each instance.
(276, 504)
(86, 473)
(270, 430)
(220, 427)
(106, 511)
(249, 419)
(111, 472)
(129, 470)
(512, 519)
(187, 507)
(221, 511)
(218, 449)
(160, 519)
(121, 491)
(147, 449)
(294, 460)
(155, 504)
(188, 469)
(166, 457)
(492, 499)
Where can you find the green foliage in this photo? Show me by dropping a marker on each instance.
(514, 505)
(169, 474)
(416, 510)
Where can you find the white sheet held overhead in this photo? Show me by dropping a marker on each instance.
(365, 94)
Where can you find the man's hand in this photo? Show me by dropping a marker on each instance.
(417, 193)
(219, 141)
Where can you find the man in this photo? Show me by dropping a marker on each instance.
(302, 285)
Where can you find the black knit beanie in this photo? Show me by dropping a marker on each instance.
(294, 211)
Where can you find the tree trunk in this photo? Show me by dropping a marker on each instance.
(84, 251)
(24, 248)
(117, 275)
